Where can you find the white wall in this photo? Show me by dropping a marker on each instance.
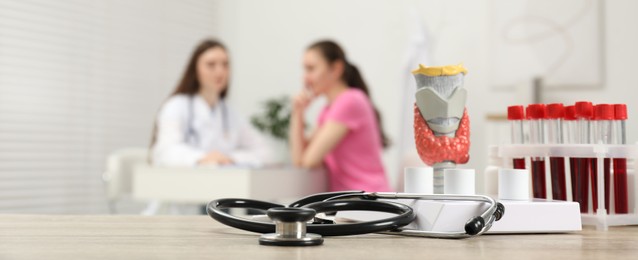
(78, 80)
(267, 39)
(621, 55)
(72, 72)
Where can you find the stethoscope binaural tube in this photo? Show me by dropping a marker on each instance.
(476, 225)
(405, 215)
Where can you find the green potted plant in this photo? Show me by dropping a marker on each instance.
(274, 122)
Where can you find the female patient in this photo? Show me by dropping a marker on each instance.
(196, 126)
(349, 138)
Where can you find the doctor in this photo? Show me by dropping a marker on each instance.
(196, 126)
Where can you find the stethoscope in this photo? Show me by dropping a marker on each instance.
(191, 133)
(292, 226)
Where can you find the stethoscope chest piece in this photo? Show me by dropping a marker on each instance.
(290, 228)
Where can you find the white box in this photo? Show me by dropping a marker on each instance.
(536, 216)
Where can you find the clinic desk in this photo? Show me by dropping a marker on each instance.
(202, 184)
(199, 237)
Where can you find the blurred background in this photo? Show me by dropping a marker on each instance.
(80, 80)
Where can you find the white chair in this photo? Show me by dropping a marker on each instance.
(118, 178)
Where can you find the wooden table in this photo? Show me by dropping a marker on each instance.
(199, 237)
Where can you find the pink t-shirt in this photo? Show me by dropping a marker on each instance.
(355, 162)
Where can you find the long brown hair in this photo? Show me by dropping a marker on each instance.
(332, 52)
(189, 83)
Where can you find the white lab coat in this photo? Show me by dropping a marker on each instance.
(188, 128)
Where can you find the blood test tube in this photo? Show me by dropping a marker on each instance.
(516, 116)
(555, 115)
(571, 137)
(584, 112)
(536, 115)
(620, 164)
(603, 116)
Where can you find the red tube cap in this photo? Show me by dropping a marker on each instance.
(536, 111)
(604, 112)
(620, 111)
(570, 113)
(515, 113)
(555, 111)
(584, 109)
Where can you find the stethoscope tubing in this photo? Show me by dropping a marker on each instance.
(359, 201)
(487, 215)
(405, 215)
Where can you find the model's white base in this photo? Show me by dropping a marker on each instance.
(536, 216)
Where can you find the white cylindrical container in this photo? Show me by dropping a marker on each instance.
(490, 180)
(513, 184)
(418, 180)
(459, 181)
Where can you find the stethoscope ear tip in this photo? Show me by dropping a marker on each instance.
(500, 211)
(474, 225)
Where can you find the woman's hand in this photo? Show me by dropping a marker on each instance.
(296, 136)
(215, 158)
(301, 101)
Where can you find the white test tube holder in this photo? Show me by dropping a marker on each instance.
(503, 155)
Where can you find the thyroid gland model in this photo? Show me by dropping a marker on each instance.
(441, 122)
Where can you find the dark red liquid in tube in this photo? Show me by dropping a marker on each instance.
(572, 174)
(557, 166)
(620, 186)
(593, 175)
(607, 174)
(538, 179)
(581, 183)
(519, 163)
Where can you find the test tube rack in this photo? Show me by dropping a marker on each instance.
(502, 155)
